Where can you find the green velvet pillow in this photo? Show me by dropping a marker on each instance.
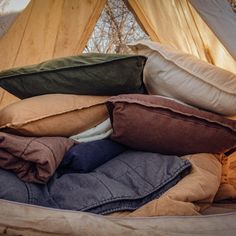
(85, 74)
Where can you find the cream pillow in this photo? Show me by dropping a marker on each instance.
(171, 73)
(53, 115)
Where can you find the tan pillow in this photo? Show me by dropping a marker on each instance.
(6, 98)
(53, 115)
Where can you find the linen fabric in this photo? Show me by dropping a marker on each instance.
(32, 159)
(85, 74)
(125, 183)
(6, 98)
(171, 73)
(100, 131)
(227, 189)
(189, 196)
(158, 124)
(85, 157)
(53, 115)
(16, 218)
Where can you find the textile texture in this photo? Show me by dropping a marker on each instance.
(32, 159)
(227, 189)
(6, 98)
(53, 115)
(125, 183)
(85, 157)
(85, 74)
(182, 76)
(100, 131)
(189, 196)
(167, 126)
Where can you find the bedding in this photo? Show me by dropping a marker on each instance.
(126, 182)
(53, 115)
(85, 157)
(191, 195)
(182, 76)
(163, 125)
(32, 159)
(85, 74)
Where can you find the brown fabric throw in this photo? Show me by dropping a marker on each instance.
(227, 189)
(191, 195)
(32, 159)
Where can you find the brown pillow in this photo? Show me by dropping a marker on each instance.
(53, 115)
(163, 125)
(6, 98)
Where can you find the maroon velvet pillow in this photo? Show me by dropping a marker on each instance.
(163, 125)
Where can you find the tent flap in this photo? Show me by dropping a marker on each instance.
(178, 24)
(221, 19)
(49, 29)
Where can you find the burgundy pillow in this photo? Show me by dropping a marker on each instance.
(163, 125)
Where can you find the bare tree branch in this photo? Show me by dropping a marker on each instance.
(115, 28)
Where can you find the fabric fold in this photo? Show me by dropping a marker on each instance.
(189, 196)
(32, 159)
(85, 157)
(100, 131)
(227, 189)
(125, 183)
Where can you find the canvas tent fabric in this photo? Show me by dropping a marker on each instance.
(30, 220)
(51, 29)
(218, 16)
(178, 24)
(63, 27)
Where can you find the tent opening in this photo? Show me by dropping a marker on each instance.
(115, 28)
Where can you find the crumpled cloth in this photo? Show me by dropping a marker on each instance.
(85, 157)
(32, 159)
(227, 189)
(100, 131)
(194, 193)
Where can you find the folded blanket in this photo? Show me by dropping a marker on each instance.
(85, 157)
(32, 159)
(125, 183)
(190, 195)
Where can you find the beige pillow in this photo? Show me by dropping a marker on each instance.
(53, 115)
(171, 73)
(6, 98)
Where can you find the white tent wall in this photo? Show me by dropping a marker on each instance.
(177, 23)
(49, 29)
(221, 19)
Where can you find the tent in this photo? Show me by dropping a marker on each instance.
(48, 29)
(191, 26)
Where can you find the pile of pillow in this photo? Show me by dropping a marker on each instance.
(184, 113)
(66, 96)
